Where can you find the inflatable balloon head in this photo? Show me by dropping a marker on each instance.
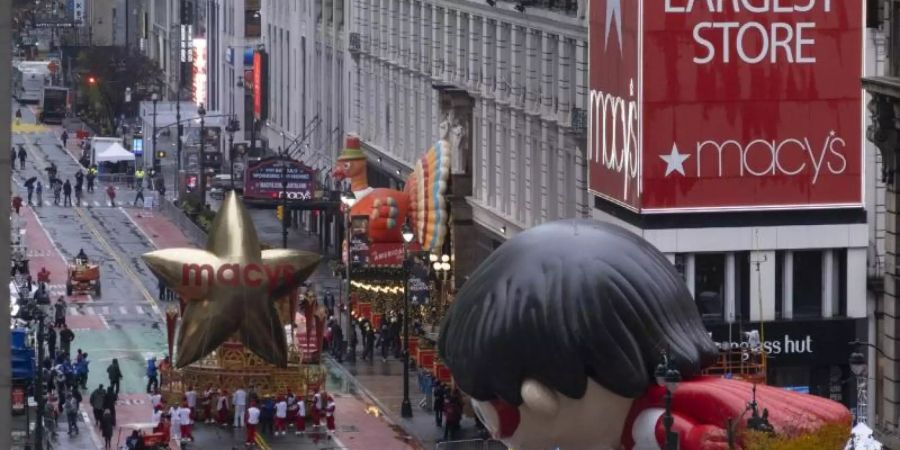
(351, 163)
(557, 335)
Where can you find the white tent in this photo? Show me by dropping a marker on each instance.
(114, 153)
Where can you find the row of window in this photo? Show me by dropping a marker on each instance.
(805, 296)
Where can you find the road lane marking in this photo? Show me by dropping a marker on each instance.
(140, 310)
(122, 264)
(123, 310)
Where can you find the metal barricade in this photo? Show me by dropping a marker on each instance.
(471, 444)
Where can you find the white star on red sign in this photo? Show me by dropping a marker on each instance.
(675, 161)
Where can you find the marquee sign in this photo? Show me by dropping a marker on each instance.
(736, 105)
(263, 181)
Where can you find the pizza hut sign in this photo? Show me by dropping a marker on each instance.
(699, 105)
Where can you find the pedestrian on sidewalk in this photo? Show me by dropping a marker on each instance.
(300, 420)
(81, 371)
(453, 415)
(239, 400)
(66, 336)
(12, 159)
(72, 414)
(111, 194)
(59, 312)
(162, 289)
(439, 394)
(329, 416)
(30, 189)
(252, 422)
(139, 195)
(281, 416)
(152, 375)
(17, 203)
(115, 376)
(18, 116)
(22, 156)
(50, 338)
(78, 194)
(91, 175)
(67, 193)
(96, 401)
(39, 190)
(106, 427)
(79, 178)
(109, 403)
(57, 191)
(222, 407)
(64, 137)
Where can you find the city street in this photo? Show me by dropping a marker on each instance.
(125, 321)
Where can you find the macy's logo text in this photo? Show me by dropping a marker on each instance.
(236, 275)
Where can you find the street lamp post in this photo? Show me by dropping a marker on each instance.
(667, 376)
(284, 184)
(859, 369)
(180, 130)
(155, 98)
(233, 126)
(348, 198)
(407, 232)
(201, 111)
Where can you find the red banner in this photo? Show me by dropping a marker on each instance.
(389, 253)
(699, 106)
(260, 88)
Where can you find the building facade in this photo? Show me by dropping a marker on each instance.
(883, 87)
(507, 86)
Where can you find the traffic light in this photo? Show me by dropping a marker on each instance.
(279, 212)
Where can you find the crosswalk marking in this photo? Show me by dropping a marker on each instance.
(106, 310)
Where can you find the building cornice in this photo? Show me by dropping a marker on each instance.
(889, 86)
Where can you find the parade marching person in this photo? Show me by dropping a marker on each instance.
(115, 375)
(239, 400)
(184, 419)
(152, 375)
(222, 407)
(59, 312)
(191, 398)
(252, 422)
(175, 423)
(329, 415)
(280, 416)
(96, 401)
(300, 421)
(156, 419)
(206, 402)
(291, 407)
(316, 409)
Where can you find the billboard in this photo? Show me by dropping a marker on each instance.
(200, 71)
(263, 180)
(260, 85)
(706, 106)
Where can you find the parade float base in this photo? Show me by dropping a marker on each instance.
(232, 366)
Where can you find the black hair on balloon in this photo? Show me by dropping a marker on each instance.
(567, 301)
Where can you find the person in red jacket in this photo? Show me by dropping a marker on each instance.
(17, 204)
(43, 276)
(557, 336)
(111, 193)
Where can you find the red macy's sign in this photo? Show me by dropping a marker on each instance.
(700, 105)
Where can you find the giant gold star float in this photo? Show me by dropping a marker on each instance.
(231, 286)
